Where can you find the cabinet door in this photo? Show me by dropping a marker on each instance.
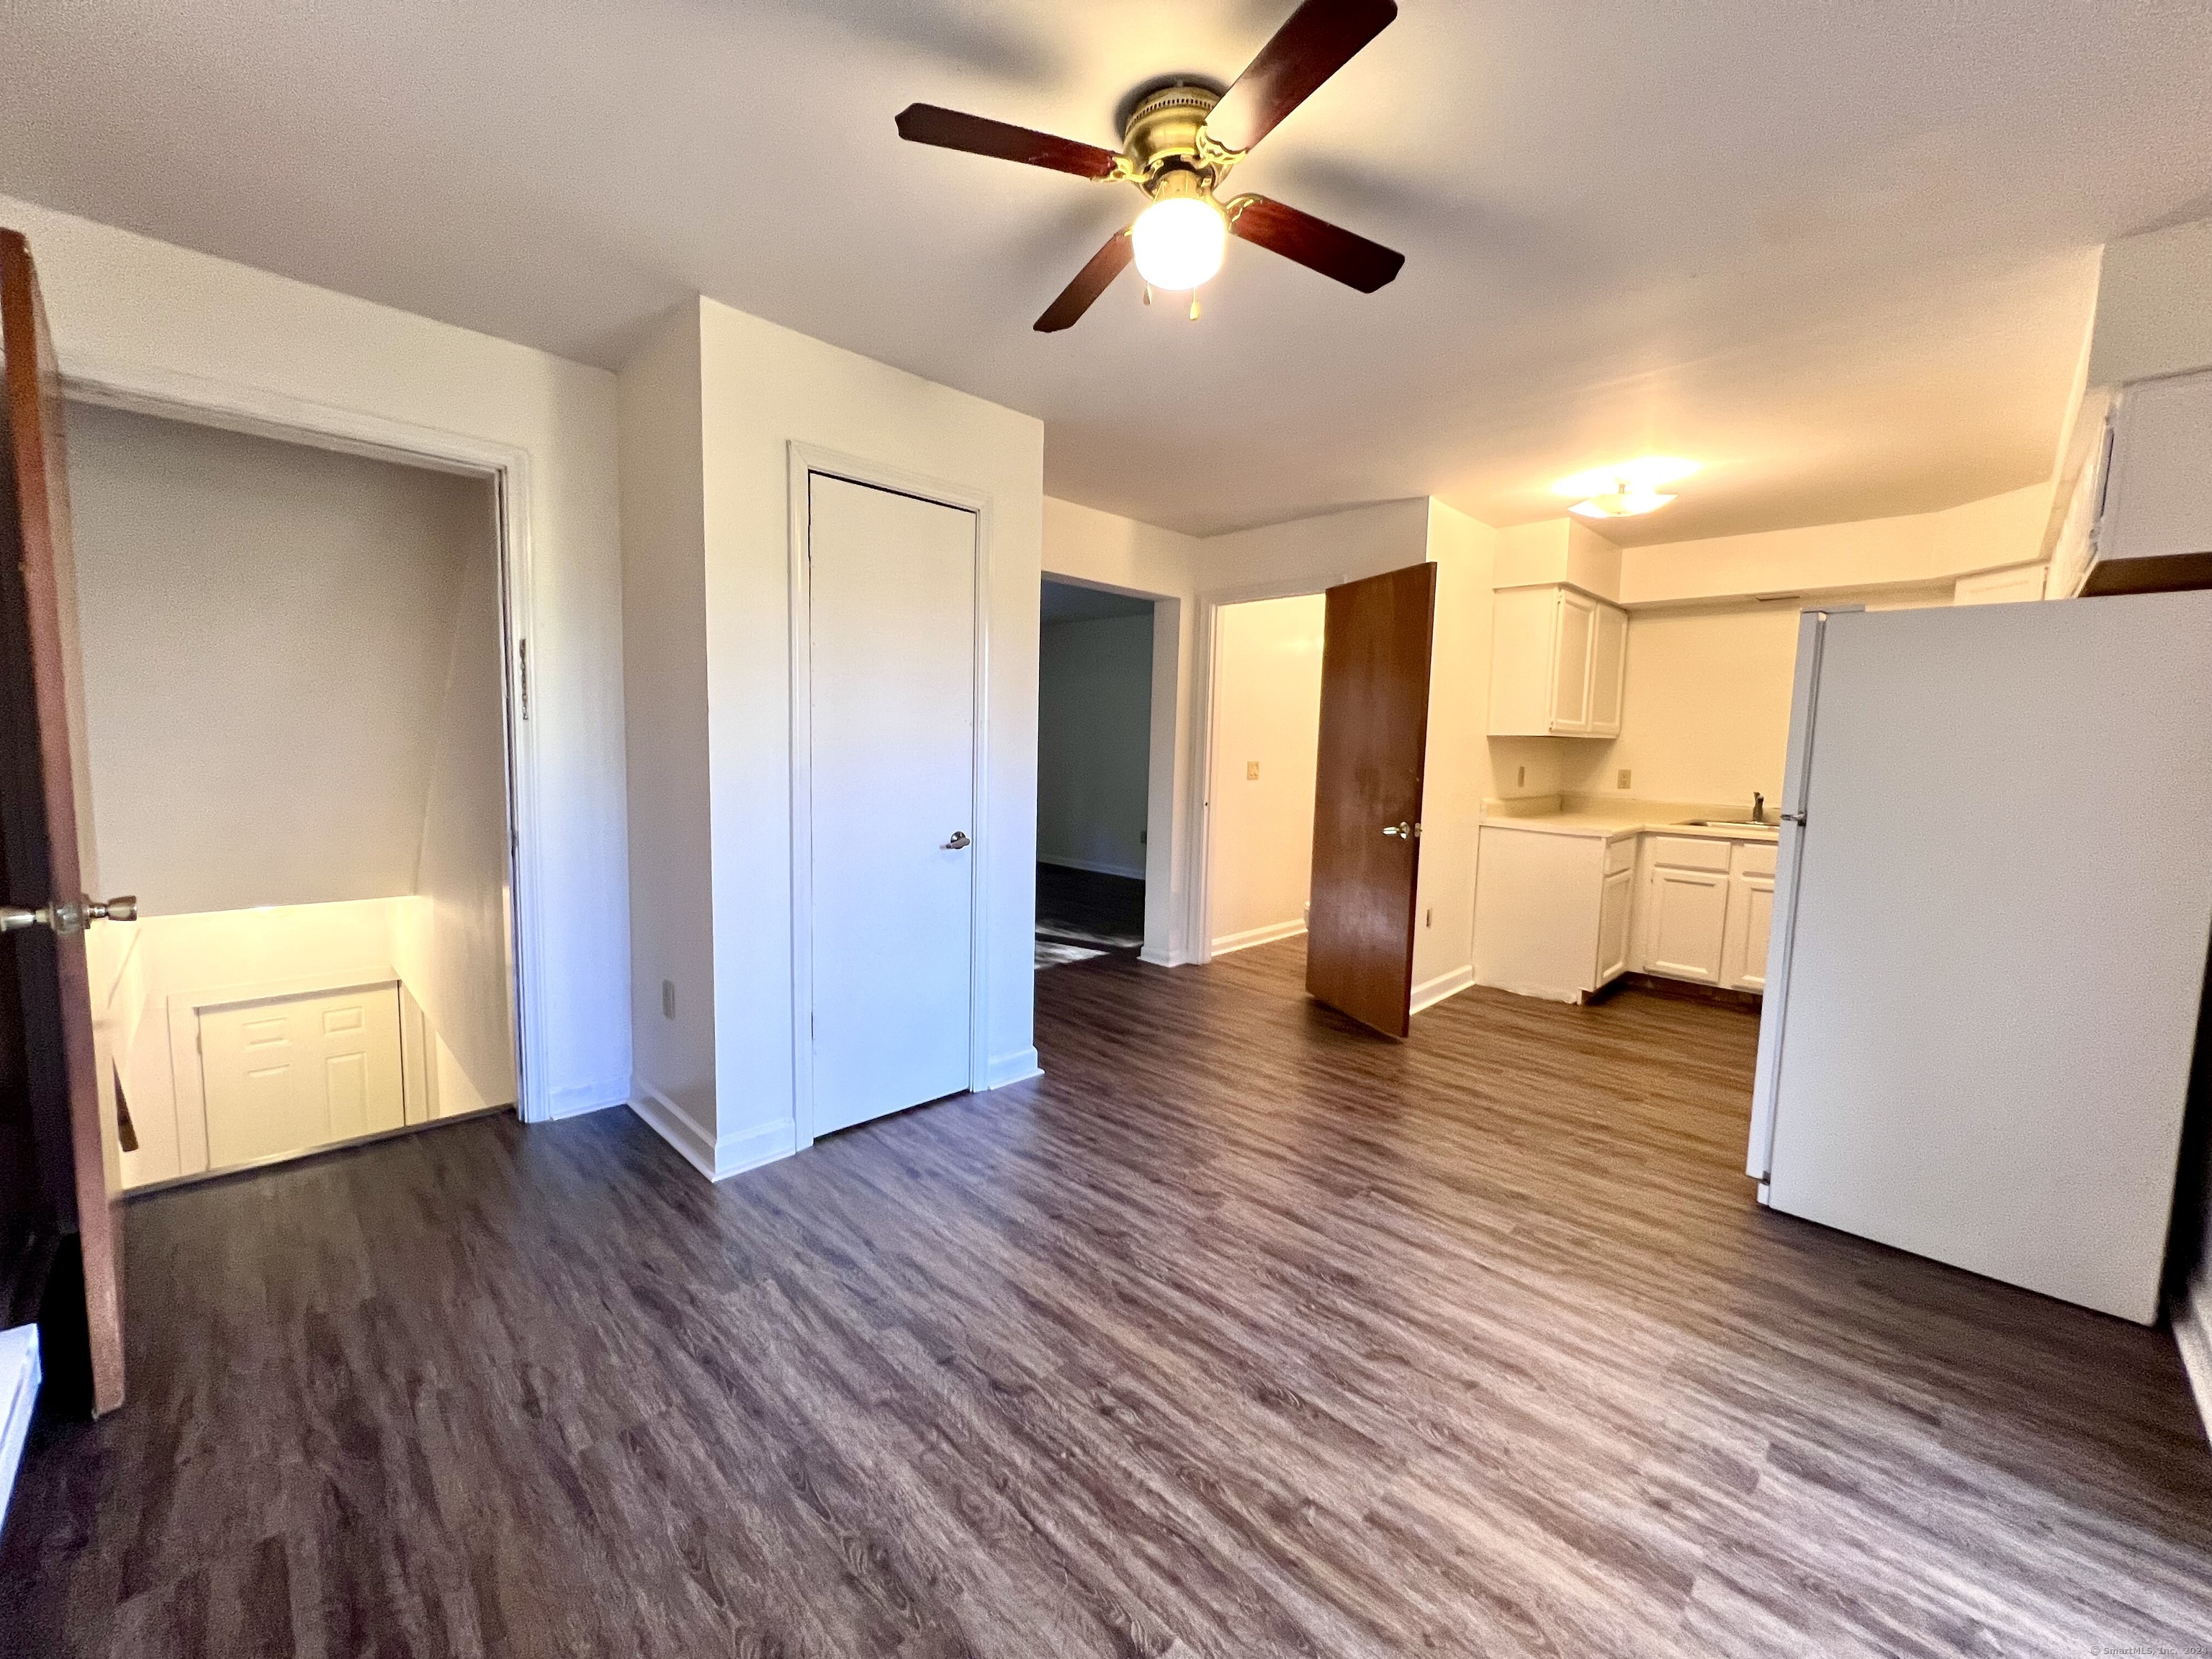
(1689, 923)
(1750, 919)
(1573, 636)
(1608, 670)
(1614, 910)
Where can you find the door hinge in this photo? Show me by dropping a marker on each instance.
(522, 651)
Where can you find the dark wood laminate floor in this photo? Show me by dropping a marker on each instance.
(1239, 1333)
(1087, 907)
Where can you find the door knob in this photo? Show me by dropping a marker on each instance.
(959, 840)
(1402, 828)
(70, 915)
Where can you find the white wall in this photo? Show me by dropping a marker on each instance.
(1930, 548)
(452, 947)
(1336, 547)
(1108, 551)
(2153, 306)
(760, 390)
(1457, 775)
(127, 309)
(671, 878)
(266, 630)
(1266, 714)
(1094, 742)
(1705, 709)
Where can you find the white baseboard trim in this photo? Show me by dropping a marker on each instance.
(576, 1100)
(1548, 992)
(2192, 1333)
(717, 1160)
(1161, 959)
(1429, 992)
(1016, 1067)
(1252, 936)
(1096, 866)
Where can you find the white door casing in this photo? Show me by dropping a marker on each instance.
(289, 1075)
(892, 800)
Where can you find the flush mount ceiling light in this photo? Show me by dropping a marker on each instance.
(1625, 488)
(1178, 146)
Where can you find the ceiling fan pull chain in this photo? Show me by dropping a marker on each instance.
(1193, 304)
(1148, 293)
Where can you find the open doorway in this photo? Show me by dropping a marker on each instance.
(1094, 766)
(296, 726)
(1266, 728)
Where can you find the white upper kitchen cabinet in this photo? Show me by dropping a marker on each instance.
(2135, 504)
(1558, 662)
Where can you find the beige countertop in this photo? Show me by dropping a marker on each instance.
(1609, 820)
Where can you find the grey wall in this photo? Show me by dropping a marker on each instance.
(1094, 742)
(268, 631)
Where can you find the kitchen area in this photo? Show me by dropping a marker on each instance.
(1578, 887)
(1884, 819)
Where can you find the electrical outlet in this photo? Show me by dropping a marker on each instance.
(1622, 779)
(1251, 771)
(1521, 779)
(668, 999)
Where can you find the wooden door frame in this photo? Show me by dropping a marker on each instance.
(1199, 830)
(236, 406)
(804, 461)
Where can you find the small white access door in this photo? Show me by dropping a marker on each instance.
(891, 794)
(289, 1075)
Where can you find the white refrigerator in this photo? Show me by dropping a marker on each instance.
(1993, 902)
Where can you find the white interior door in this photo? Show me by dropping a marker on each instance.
(892, 643)
(289, 1075)
(2003, 896)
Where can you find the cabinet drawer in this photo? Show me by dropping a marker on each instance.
(1620, 855)
(1690, 853)
(1754, 857)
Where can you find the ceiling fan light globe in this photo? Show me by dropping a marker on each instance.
(1179, 242)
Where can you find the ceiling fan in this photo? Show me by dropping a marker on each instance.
(1178, 145)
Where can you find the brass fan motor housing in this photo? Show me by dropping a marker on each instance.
(1166, 137)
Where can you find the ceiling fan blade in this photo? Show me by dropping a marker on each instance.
(1313, 243)
(948, 129)
(1093, 280)
(1319, 39)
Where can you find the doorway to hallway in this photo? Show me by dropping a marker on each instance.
(1094, 760)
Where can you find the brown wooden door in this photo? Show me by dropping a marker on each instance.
(41, 790)
(1367, 796)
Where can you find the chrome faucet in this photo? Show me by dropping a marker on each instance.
(1758, 807)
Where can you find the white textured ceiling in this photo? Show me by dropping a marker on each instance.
(1837, 249)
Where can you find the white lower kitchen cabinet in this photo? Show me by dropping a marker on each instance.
(1565, 905)
(1750, 917)
(1707, 906)
(1554, 914)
